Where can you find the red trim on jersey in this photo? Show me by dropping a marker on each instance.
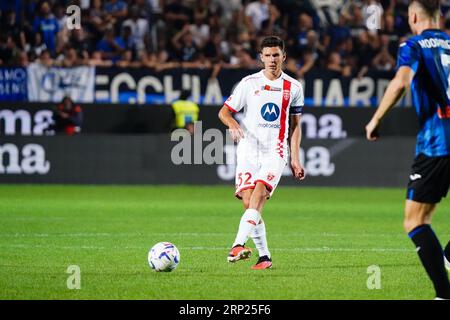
(284, 106)
(268, 186)
(231, 109)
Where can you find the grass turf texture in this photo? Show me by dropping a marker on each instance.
(322, 241)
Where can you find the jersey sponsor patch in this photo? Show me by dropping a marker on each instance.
(270, 88)
(286, 94)
(270, 112)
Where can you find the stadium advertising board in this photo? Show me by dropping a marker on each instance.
(38, 83)
(33, 119)
(130, 144)
(13, 84)
(322, 87)
(51, 84)
(146, 159)
(27, 119)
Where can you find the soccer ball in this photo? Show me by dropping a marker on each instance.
(164, 256)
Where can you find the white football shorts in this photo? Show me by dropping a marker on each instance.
(254, 166)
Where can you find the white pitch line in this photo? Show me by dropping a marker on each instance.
(317, 249)
(192, 234)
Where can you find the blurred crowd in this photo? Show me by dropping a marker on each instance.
(215, 34)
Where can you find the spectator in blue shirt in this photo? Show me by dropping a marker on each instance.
(47, 24)
(116, 8)
(111, 46)
(337, 34)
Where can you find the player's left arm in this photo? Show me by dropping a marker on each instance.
(394, 92)
(294, 139)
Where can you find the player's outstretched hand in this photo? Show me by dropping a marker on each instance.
(236, 132)
(372, 130)
(297, 170)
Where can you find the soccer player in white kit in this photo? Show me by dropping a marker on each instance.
(271, 130)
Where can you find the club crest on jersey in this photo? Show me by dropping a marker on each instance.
(270, 112)
(270, 88)
(286, 94)
(270, 177)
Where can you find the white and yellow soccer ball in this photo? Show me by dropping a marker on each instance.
(163, 257)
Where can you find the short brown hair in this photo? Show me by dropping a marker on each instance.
(431, 7)
(272, 41)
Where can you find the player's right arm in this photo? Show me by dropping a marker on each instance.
(395, 90)
(227, 119)
(407, 64)
(233, 104)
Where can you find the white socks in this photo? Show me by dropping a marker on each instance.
(259, 238)
(250, 219)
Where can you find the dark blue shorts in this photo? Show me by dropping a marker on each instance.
(429, 180)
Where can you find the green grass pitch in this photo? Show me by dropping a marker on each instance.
(322, 241)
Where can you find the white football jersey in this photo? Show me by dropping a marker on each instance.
(267, 105)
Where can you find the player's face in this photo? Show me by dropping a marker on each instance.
(273, 58)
